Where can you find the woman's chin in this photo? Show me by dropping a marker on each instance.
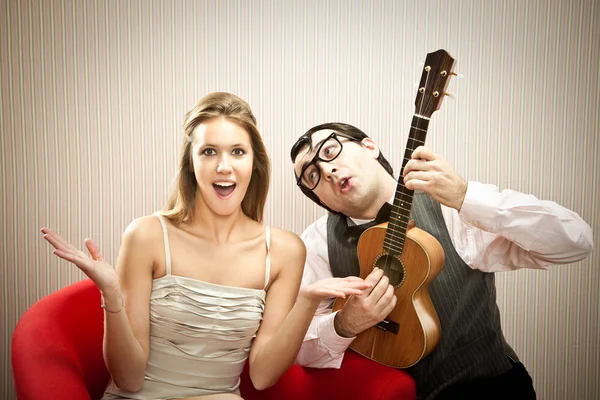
(225, 210)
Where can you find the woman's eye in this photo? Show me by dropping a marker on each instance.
(209, 152)
(238, 152)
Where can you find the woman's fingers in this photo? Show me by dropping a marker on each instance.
(56, 243)
(61, 244)
(66, 256)
(56, 240)
(353, 279)
(334, 293)
(339, 287)
(93, 249)
(103, 275)
(360, 285)
(69, 246)
(83, 264)
(352, 288)
(343, 292)
(356, 292)
(68, 252)
(50, 233)
(356, 283)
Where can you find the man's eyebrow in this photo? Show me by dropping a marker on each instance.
(316, 146)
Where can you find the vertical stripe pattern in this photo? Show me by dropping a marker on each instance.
(93, 94)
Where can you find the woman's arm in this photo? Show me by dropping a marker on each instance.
(125, 295)
(127, 333)
(282, 331)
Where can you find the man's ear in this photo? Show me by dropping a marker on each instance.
(370, 144)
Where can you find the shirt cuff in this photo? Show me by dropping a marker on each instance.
(330, 339)
(480, 202)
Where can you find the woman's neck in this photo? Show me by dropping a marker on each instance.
(214, 227)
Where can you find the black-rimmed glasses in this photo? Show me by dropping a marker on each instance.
(327, 151)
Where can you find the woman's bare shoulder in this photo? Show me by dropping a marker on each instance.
(144, 230)
(287, 246)
(141, 247)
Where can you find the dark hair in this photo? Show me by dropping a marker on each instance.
(345, 130)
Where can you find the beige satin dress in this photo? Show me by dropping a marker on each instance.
(200, 335)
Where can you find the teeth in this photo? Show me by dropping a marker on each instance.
(224, 184)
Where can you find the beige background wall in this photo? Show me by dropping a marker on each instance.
(93, 96)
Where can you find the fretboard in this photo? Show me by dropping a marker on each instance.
(400, 214)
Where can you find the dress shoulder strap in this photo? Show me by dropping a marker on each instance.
(161, 218)
(268, 267)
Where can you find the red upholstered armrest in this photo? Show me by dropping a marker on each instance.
(57, 346)
(358, 378)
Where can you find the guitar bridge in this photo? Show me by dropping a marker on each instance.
(389, 326)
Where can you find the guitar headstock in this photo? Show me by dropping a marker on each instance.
(439, 67)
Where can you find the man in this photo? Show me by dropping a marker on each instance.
(481, 230)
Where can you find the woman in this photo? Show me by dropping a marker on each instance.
(200, 284)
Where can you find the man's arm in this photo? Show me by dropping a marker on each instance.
(322, 346)
(500, 231)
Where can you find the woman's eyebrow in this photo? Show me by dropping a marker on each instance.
(216, 145)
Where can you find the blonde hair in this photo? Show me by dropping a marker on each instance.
(180, 206)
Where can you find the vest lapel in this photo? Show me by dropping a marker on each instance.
(342, 240)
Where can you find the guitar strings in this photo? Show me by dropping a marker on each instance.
(388, 262)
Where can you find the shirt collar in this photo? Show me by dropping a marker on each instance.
(357, 221)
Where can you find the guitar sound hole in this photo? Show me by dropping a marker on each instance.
(392, 267)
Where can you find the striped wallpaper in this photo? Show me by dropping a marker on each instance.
(93, 93)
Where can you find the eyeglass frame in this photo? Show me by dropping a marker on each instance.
(316, 158)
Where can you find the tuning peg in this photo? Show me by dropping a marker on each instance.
(458, 76)
(451, 95)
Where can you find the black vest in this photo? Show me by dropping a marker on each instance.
(472, 344)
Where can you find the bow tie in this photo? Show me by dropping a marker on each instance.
(383, 215)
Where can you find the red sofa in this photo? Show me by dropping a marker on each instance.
(57, 354)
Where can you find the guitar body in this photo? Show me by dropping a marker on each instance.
(418, 325)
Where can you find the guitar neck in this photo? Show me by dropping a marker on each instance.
(400, 214)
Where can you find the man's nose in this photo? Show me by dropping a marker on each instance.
(327, 169)
(224, 166)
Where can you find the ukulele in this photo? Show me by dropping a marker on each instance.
(412, 258)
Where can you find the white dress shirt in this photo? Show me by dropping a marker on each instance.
(494, 231)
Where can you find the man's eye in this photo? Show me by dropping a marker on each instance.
(312, 176)
(329, 151)
(209, 152)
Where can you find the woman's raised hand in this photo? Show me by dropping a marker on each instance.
(98, 270)
(335, 287)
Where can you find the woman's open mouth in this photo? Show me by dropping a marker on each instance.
(224, 189)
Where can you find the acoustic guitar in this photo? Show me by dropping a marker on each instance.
(412, 258)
